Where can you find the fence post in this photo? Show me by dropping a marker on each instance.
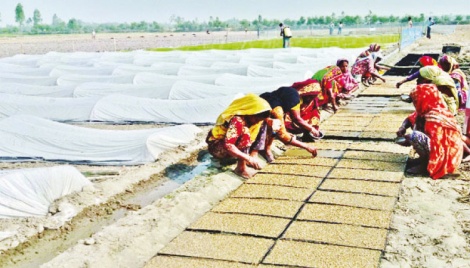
(400, 36)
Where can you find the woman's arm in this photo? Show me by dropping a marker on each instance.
(404, 126)
(296, 118)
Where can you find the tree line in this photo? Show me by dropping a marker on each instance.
(36, 25)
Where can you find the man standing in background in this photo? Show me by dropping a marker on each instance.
(430, 23)
(286, 35)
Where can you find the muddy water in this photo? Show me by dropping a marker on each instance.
(50, 243)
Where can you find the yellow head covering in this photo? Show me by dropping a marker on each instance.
(439, 78)
(249, 104)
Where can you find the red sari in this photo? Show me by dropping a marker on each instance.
(309, 111)
(446, 149)
(328, 78)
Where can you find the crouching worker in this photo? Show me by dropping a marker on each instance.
(240, 131)
(436, 136)
(283, 101)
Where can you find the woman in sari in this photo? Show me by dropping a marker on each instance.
(286, 100)
(436, 136)
(449, 65)
(328, 78)
(423, 62)
(444, 83)
(368, 68)
(346, 81)
(239, 131)
(308, 90)
(372, 48)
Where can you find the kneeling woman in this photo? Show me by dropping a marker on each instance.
(436, 136)
(286, 100)
(239, 131)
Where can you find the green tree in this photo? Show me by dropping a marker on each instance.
(56, 20)
(73, 24)
(301, 21)
(37, 17)
(19, 14)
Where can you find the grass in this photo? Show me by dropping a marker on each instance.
(304, 42)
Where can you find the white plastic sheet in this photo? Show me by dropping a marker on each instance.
(157, 79)
(120, 108)
(60, 70)
(200, 70)
(77, 79)
(30, 192)
(160, 91)
(23, 138)
(57, 109)
(160, 68)
(28, 79)
(34, 90)
(233, 80)
(259, 71)
(187, 90)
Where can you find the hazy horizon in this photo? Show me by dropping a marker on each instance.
(121, 11)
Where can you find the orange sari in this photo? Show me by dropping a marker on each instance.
(446, 149)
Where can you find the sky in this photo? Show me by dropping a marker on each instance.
(101, 11)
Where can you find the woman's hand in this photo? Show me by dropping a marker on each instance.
(254, 162)
(399, 84)
(311, 149)
(401, 132)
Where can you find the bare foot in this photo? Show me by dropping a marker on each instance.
(466, 159)
(268, 156)
(245, 173)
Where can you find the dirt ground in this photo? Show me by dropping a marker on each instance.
(430, 226)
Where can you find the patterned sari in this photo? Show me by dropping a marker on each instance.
(232, 128)
(440, 126)
(328, 78)
(309, 110)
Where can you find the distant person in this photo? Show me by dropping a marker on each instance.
(93, 35)
(410, 23)
(286, 35)
(429, 23)
(332, 26)
(340, 27)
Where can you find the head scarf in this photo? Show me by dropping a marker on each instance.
(440, 78)
(441, 127)
(427, 61)
(309, 87)
(437, 76)
(374, 47)
(249, 104)
(448, 63)
(339, 62)
(286, 97)
(427, 97)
